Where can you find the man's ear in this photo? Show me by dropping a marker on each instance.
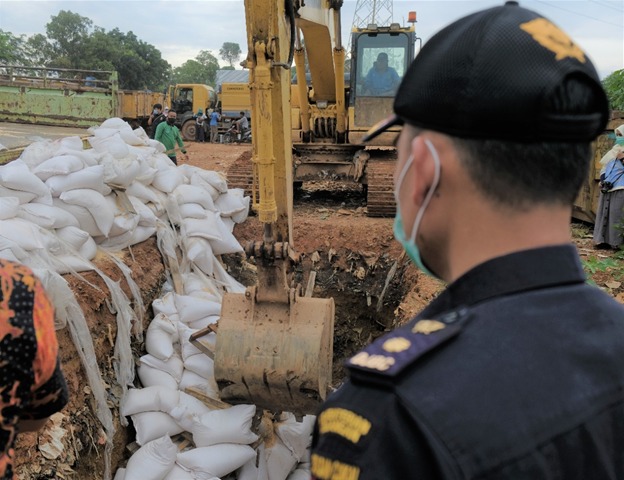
(422, 174)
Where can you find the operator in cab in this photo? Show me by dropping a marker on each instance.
(381, 79)
(515, 370)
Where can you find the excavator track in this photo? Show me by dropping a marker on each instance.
(240, 173)
(380, 191)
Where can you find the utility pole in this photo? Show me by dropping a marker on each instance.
(378, 12)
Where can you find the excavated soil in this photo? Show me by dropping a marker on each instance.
(356, 261)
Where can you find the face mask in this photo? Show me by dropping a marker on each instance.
(409, 244)
(156, 111)
(619, 141)
(171, 121)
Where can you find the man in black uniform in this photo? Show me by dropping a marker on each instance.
(516, 370)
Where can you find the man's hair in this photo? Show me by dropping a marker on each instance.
(158, 105)
(521, 175)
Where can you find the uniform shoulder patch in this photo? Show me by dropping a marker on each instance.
(389, 355)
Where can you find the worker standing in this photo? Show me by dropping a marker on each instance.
(168, 134)
(215, 118)
(155, 118)
(516, 370)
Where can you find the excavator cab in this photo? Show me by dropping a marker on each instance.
(380, 57)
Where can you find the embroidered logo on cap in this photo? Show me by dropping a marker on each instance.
(549, 36)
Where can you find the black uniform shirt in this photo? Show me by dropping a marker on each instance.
(516, 371)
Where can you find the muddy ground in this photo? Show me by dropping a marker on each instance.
(354, 257)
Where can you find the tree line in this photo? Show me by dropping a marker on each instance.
(74, 42)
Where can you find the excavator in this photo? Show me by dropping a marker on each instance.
(330, 111)
(274, 342)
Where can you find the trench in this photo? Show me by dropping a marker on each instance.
(363, 309)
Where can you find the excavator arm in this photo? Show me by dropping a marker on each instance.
(274, 346)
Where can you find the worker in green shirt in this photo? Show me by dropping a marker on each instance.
(168, 134)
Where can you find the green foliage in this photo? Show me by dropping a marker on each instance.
(230, 52)
(614, 86)
(73, 42)
(594, 264)
(67, 33)
(10, 47)
(201, 70)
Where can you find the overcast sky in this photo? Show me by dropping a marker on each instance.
(181, 28)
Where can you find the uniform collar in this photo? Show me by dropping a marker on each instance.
(513, 273)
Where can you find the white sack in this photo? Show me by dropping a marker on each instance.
(90, 177)
(232, 202)
(296, 436)
(193, 308)
(225, 242)
(230, 425)
(186, 347)
(160, 337)
(150, 399)
(112, 145)
(9, 206)
(193, 194)
(47, 216)
(95, 203)
(199, 251)
(152, 461)
(152, 425)
(120, 171)
(23, 197)
(17, 176)
(151, 377)
(24, 233)
(202, 365)
(142, 233)
(217, 460)
(168, 179)
(58, 165)
(192, 210)
(173, 365)
(89, 249)
(85, 220)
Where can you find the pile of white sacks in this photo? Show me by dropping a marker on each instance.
(61, 205)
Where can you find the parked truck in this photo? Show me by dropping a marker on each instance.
(82, 98)
(70, 98)
(186, 100)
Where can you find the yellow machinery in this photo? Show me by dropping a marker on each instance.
(186, 99)
(274, 346)
(331, 110)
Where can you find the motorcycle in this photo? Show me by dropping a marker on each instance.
(232, 136)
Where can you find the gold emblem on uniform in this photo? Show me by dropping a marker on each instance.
(549, 36)
(396, 344)
(427, 326)
(374, 362)
(343, 422)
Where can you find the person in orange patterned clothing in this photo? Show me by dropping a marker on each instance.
(32, 386)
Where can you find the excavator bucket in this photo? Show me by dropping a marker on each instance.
(275, 354)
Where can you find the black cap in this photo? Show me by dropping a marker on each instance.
(489, 74)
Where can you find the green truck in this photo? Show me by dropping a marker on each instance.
(71, 98)
(83, 98)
